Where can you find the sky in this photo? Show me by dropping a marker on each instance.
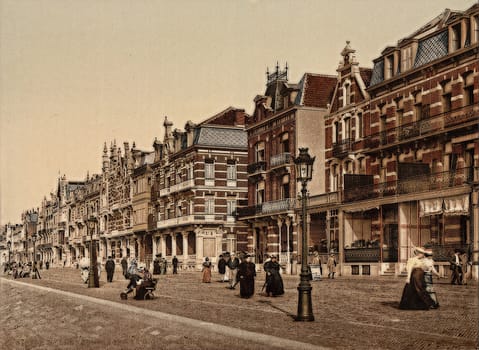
(76, 74)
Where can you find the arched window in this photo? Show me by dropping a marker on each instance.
(347, 93)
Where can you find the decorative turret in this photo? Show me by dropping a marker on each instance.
(105, 159)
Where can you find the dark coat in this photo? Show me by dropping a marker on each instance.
(222, 266)
(110, 265)
(246, 275)
(274, 281)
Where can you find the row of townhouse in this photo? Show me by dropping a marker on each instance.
(397, 159)
(397, 155)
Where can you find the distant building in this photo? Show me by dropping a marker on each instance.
(199, 181)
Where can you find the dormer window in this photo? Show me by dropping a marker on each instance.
(347, 94)
(456, 37)
(406, 58)
(475, 33)
(389, 67)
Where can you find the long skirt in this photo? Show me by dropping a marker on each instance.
(415, 295)
(246, 287)
(429, 287)
(206, 274)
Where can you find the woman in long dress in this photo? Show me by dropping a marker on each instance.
(274, 282)
(246, 274)
(415, 295)
(206, 271)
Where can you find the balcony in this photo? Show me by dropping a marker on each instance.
(325, 199)
(256, 168)
(182, 186)
(280, 160)
(342, 148)
(266, 208)
(444, 122)
(191, 219)
(423, 183)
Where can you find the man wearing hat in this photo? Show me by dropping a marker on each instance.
(233, 266)
(110, 269)
(331, 265)
(456, 267)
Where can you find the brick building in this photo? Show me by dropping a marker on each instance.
(286, 117)
(199, 180)
(403, 157)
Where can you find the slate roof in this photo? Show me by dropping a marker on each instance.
(378, 73)
(221, 137)
(432, 48)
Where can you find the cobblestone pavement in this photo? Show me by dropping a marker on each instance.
(350, 313)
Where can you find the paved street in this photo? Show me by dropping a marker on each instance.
(350, 313)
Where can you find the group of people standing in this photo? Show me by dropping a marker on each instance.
(242, 270)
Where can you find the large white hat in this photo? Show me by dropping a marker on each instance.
(420, 250)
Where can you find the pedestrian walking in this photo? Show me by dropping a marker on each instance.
(110, 269)
(174, 262)
(124, 266)
(163, 265)
(246, 275)
(233, 266)
(456, 267)
(47, 264)
(206, 271)
(227, 258)
(274, 281)
(429, 271)
(415, 295)
(331, 265)
(465, 266)
(156, 265)
(221, 268)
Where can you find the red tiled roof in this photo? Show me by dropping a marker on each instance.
(318, 90)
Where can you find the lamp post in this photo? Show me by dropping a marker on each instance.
(35, 271)
(304, 170)
(93, 272)
(9, 245)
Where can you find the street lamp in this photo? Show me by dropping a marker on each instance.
(304, 170)
(9, 245)
(93, 273)
(35, 271)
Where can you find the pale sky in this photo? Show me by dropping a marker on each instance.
(74, 74)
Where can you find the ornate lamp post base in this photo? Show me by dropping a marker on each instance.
(305, 305)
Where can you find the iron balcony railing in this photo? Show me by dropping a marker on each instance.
(416, 184)
(271, 207)
(341, 148)
(256, 167)
(440, 122)
(280, 159)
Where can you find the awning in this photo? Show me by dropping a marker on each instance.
(457, 205)
(454, 205)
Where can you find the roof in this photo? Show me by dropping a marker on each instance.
(221, 137)
(316, 90)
